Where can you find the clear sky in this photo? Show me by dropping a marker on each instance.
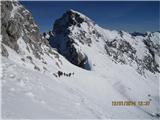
(122, 15)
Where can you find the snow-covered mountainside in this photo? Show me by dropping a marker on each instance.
(80, 72)
(75, 35)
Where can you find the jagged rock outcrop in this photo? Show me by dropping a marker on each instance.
(18, 23)
(70, 31)
(63, 40)
(124, 52)
(20, 33)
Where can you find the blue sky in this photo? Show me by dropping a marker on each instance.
(121, 15)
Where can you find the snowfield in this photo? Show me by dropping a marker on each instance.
(27, 93)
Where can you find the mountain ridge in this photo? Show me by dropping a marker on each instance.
(71, 21)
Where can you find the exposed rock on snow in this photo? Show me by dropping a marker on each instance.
(66, 41)
(19, 32)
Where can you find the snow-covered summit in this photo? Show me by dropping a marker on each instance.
(80, 14)
(68, 30)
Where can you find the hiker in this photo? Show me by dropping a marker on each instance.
(59, 73)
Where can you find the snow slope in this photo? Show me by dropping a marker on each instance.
(84, 95)
(32, 89)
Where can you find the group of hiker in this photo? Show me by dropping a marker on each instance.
(60, 73)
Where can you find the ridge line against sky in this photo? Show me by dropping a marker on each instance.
(114, 15)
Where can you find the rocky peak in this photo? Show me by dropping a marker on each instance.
(20, 32)
(71, 31)
(18, 23)
(64, 22)
(70, 18)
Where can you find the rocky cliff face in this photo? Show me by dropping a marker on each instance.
(17, 22)
(68, 32)
(128, 52)
(20, 33)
